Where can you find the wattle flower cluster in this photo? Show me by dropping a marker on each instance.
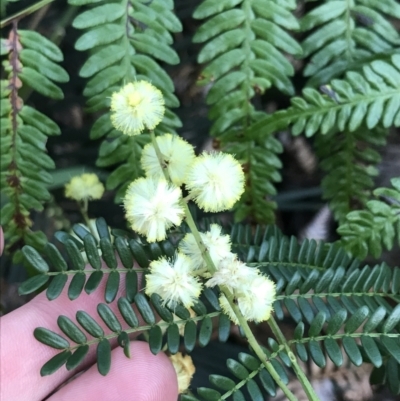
(253, 292)
(214, 181)
(154, 203)
(137, 106)
(84, 187)
(177, 281)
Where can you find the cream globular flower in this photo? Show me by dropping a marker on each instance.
(137, 106)
(254, 300)
(177, 154)
(218, 246)
(152, 207)
(184, 369)
(174, 281)
(253, 292)
(84, 187)
(232, 273)
(216, 181)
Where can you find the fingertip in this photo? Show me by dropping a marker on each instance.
(1, 240)
(143, 377)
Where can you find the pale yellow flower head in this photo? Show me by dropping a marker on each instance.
(184, 369)
(152, 207)
(232, 273)
(254, 300)
(137, 106)
(174, 281)
(84, 187)
(177, 154)
(216, 181)
(219, 246)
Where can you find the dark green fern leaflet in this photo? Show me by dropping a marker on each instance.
(342, 312)
(338, 338)
(124, 38)
(347, 34)
(349, 159)
(368, 231)
(100, 268)
(244, 55)
(371, 97)
(350, 123)
(25, 165)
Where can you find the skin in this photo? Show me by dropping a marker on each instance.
(143, 377)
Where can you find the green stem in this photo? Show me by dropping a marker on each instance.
(29, 10)
(297, 369)
(257, 349)
(83, 208)
(159, 156)
(193, 228)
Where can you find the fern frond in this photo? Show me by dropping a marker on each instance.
(364, 232)
(315, 271)
(173, 324)
(244, 55)
(371, 98)
(338, 310)
(250, 376)
(346, 34)
(349, 159)
(123, 39)
(86, 249)
(363, 337)
(32, 62)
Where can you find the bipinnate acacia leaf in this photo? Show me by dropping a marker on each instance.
(56, 286)
(76, 285)
(89, 324)
(112, 286)
(351, 348)
(77, 357)
(190, 335)
(109, 317)
(144, 308)
(173, 338)
(48, 337)
(372, 350)
(34, 259)
(161, 310)
(155, 339)
(33, 284)
(127, 312)
(55, 257)
(139, 253)
(93, 281)
(103, 353)
(92, 251)
(55, 363)
(70, 329)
